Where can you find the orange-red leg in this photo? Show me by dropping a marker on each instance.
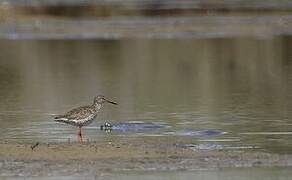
(79, 135)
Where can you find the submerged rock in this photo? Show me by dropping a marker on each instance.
(131, 126)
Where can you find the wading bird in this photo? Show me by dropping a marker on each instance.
(84, 115)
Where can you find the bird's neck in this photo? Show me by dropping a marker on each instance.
(97, 106)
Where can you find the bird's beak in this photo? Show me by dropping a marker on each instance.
(111, 102)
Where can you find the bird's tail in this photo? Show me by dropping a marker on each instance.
(60, 119)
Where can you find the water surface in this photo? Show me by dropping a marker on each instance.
(240, 86)
(226, 174)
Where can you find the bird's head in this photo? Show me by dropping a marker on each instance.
(100, 99)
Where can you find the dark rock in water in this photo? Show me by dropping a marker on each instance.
(131, 126)
(204, 132)
(147, 126)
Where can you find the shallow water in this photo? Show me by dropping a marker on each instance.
(226, 174)
(240, 86)
(240, 174)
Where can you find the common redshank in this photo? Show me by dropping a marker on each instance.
(83, 115)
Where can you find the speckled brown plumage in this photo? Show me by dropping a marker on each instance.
(78, 113)
(83, 115)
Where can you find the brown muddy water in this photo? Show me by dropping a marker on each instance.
(238, 86)
(228, 174)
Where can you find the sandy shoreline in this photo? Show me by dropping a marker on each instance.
(91, 158)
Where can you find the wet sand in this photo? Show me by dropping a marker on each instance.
(95, 157)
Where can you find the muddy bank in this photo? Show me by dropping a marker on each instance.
(97, 157)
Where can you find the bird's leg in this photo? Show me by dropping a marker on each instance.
(79, 135)
(79, 131)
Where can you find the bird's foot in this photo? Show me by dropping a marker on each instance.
(79, 138)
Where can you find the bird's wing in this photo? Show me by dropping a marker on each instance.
(77, 113)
